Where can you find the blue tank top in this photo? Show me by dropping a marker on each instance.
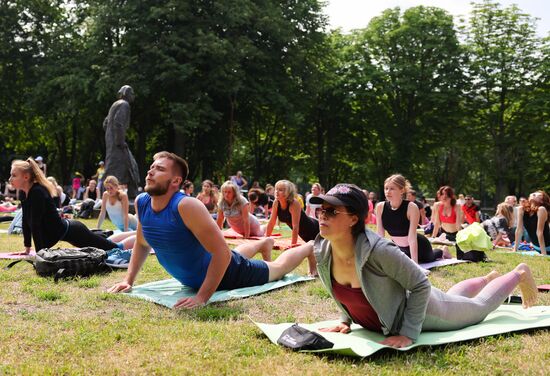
(177, 249)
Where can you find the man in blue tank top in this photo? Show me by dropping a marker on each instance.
(189, 244)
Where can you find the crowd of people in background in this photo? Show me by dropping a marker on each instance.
(374, 280)
(241, 206)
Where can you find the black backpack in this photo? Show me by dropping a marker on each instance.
(68, 262)
(86, 209)
(473, 256)
(299, 338)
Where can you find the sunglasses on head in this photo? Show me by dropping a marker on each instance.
(332, 212)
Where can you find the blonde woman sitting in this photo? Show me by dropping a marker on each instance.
(498, 227)
(115, 203)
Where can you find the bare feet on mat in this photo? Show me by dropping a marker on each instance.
(527, 285)
(494, 274)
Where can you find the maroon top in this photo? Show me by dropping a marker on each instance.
(357, 305)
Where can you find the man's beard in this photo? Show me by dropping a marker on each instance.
(158, 190)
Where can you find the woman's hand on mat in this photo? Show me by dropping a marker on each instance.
(192, 302)
(25, 252)
(120, 287)
(397, 341)
(340, 328)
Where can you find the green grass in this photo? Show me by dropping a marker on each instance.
(75, 327)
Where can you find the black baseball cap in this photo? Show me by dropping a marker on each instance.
(348, 195)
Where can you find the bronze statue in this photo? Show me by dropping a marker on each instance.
(119, 161)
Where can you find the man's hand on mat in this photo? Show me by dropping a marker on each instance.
(192, 302)
(121, 287)
(340, 328)
(397, 341)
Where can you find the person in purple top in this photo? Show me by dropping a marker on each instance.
(189, 244)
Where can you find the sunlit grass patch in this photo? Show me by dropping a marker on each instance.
(215, 313)
(50, 295)
(89, 283)
(75, 327)
(319, 291)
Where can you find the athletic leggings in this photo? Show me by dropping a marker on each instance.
(468, 302)
(425, 251)
(80, 236)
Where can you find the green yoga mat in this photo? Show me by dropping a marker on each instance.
(169, 291)
(361, 342)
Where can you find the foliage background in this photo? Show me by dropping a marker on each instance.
(262, 86)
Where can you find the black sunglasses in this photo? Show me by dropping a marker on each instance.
(332, 212)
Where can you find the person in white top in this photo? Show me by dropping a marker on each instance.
(311, 209)
(115, 203)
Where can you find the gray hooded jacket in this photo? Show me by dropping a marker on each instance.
(393, 284)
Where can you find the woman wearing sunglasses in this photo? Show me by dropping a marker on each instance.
(378, 287)
(400, 219)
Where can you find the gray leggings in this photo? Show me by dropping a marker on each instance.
(468, 302)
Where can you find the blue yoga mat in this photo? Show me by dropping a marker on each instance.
(169, 291)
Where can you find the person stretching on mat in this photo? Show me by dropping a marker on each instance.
(115, 203)
(190, 246)
(208, 196)
(533, 215)
(498, 227)
(287, 209)
(400, 218)
(40, 218)
(376, 286)
(447, 216)
(235, 208)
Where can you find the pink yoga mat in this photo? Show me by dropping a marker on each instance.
(544, 288)
(230, 234)
(280, 244)
(11, 256)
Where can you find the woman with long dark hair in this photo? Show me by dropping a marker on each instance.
(376, 286)
(208, 196)
(447, 216)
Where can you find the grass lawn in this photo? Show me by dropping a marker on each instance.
(74, 327)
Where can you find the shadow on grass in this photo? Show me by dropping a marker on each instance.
(213, 312)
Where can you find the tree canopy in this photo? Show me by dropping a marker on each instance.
(262, 86)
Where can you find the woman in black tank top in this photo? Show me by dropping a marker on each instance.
(400, 219)
(289, 211)
(92, 191)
